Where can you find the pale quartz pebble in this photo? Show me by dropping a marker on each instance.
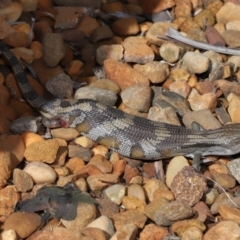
(175, 165)
(84, 142)
(104, 223)
(115, 193)
(136, 191)
(40, 172)
(67, 134)
(9, 235)
(100, 150)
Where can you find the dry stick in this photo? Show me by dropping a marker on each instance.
(174, 34)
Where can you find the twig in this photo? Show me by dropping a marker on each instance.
(174, 34)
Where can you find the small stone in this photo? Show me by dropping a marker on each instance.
(136, 50)
(223, 14)
(53, 49)
(9, 198)
(153, 231)
(75, 165)
(93, 233)
(157, 72)
(234, 102)
(180, 87)
(7, 112)
(68, 134)
(204, 16)
(166, 115)
(155, 6)
(22, 180)
(60, 86)
(108, 208)
(225, 180)
(74, 68)
(152, 185)
(140, 103)
(115, 193)
(199, 102)
(6, 28)
(68, 17)
(233, 167)
(102, 163)
(106, 84)
(104, 223)
(170, 52)
(43, 151)
(195, 62)
(129, 231)
(11, 12)
(4, 125)
(210, 196)
(123, 74)
(229, 213)
(179, 74)
(98, 181)
(214, 37)
(204, 117)
(137, 191)
(9, 235)
(171, 212)
(130, 202)
(114, 51)
(88, 25)
(231, 38)
(84, 141)
(159, 193)
(40, 172)
(196, 184)
(119, 26)
(78, 151)
(23, 223)
(86, 213)
(175, 166)
(128, 217)
(119, 167)
(181, 227)
(223, 230)
(105, 97)
(228, 87)
(101, 33)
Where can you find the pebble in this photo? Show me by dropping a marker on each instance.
(11, 12)
(223, 230)
(119, 26)
(231, 38)
(192, 233)
(86, 213)
(229, 213)
(225, 180)
(9, 235)
(106, 84)
(68, 134)
(228, 87)
(60, 86)
(233, 167)
(114, 51)
(170, 52)
(25, 124)
(93, 233)
(153, 231)
(4, 125)
(203, 211)
(210, 196)
(234, 102)
(119, 167)
(195, 63)
(43, 151)
(84, 141)
(101, 33)
(137, 191)
(75, 165)
(214, 37)
(9, 198)
(7, 112)
(130, 202)
(204, 117)
(199, 102)
(196, 184)
(105, 97)
(180, 87)
(6, 166)
(180, 227)
(104, 223)
(22, 180)
(53, 49)
(128, 217)
(140, 103)
(88, 25)
(223, 14)
(108, 208)
(136, 50)
(152, 185)
(156, 72)
(81, 152)
(129, 231)
(171, 212)
(99, 181)
(102, 163)
(115, 193)
(175, 166)
(24, 224)
(123, 74)
(40, 172)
